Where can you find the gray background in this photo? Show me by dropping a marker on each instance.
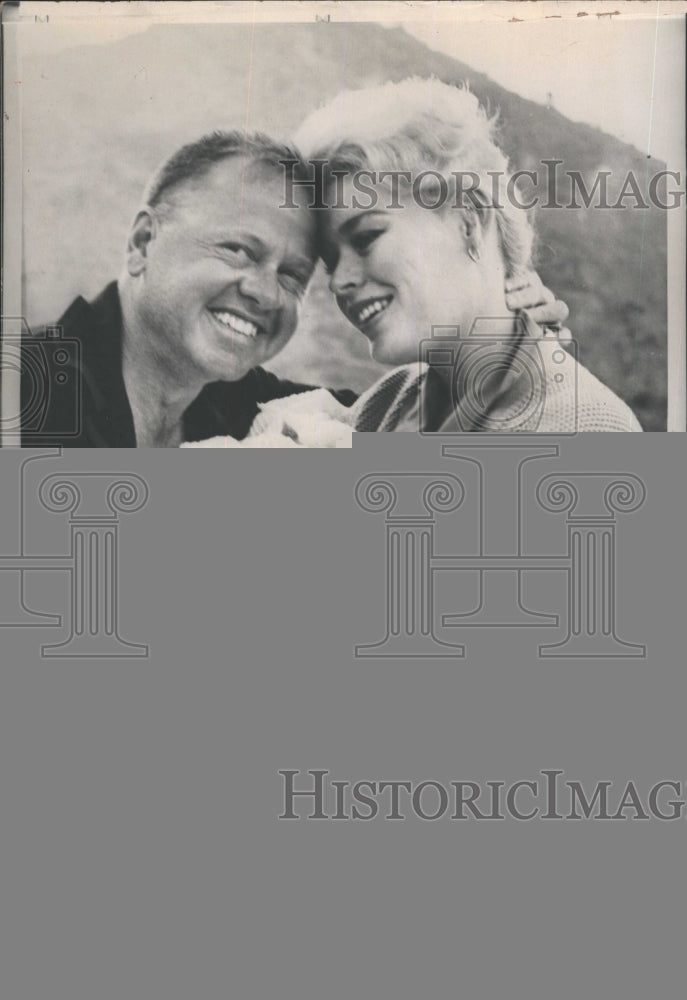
(141, 855)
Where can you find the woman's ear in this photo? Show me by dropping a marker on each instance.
(469, 225)
(143, 231)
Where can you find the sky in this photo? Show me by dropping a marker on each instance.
(624, 74)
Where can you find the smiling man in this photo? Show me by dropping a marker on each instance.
(214, 276)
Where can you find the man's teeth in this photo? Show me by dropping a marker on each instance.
(379, 305)
(236, 324)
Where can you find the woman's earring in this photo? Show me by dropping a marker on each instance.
(473, 253)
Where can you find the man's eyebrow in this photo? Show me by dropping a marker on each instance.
(224, 237)
(350, 224)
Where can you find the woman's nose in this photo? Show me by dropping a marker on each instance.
(346, 275)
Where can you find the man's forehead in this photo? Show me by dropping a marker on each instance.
(242, 171)
(235, 179)
(247, 189)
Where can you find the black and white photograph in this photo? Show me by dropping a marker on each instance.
(277, 225)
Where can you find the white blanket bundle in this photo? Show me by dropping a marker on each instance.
(305, 420)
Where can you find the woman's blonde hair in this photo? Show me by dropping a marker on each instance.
(419, 125)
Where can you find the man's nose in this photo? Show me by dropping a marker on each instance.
(347, 275)
(262, 287)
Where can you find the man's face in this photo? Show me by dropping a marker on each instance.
(221, 280)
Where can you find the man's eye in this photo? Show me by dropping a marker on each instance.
(295, 279)
(364, 240)
(238, 251)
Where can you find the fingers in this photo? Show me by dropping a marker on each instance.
(524, 279)
(549, 312)
(529, 297)
(526, 291)
(561, 334)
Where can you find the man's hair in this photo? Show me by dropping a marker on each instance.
(196, 158)
(418, 125)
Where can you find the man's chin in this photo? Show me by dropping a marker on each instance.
(223, 369)
(227, 359)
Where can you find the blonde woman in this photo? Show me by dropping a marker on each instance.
(400, 269)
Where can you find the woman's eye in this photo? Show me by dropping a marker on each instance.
(362, 241)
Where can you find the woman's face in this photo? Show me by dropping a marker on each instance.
(397, 272)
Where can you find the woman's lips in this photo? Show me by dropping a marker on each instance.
(363, 314)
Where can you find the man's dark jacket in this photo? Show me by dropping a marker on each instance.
(86, 405)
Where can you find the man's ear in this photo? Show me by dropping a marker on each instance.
(143, 231)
